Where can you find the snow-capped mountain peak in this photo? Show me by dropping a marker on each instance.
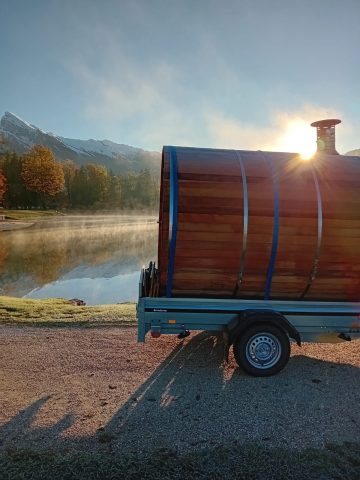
(13, 119)
(20, 135)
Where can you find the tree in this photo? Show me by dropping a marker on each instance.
(70, 170)
(79, 197)
(90, 186)
(140, 190)
(41, 173)
(114, 191)
(3, 185)
(16, 195)
(144, 189)
(97, 181)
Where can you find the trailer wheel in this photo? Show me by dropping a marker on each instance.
(262, 350)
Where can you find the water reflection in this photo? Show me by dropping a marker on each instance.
(96, 258)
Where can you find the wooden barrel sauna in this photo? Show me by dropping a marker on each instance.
(259, 225)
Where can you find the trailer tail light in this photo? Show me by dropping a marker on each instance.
(155, 334)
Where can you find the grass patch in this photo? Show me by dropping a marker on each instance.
(231, 462)
(28, 214)
(58, 312)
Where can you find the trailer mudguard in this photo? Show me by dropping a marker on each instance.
(243, 321)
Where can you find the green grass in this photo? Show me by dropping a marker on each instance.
(27, 214)
(57, 312)
(340, 462)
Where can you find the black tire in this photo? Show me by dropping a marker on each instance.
(262, 350)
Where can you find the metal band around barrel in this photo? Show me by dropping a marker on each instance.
(275, 238)
(245, 224)
(319, 235)
(173, 219)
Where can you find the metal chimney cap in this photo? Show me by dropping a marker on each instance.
(325, 130)
(329, 122)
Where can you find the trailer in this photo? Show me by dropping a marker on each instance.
(259, 246)
(260, 331)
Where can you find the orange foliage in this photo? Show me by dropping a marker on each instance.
(3, 185)
(41, 173)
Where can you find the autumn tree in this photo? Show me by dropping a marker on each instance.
(41, 173)
(3, 186)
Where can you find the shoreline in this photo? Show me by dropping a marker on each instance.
(10, 225)
(15, 311)
(22, 219)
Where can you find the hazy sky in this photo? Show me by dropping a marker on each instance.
(232, 73)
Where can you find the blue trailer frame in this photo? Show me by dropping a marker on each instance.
(329, 322)
(259, 330)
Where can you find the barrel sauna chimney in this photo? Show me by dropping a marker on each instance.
(325, 130)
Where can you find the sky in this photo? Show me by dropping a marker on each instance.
(247, 74)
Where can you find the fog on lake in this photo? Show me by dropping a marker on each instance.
(95, 258)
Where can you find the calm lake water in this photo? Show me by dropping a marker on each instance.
(95, 258)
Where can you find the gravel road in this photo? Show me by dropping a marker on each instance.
(97, 389)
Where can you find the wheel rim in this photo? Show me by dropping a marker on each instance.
(263, 350)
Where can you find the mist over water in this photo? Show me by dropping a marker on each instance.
(96, 258)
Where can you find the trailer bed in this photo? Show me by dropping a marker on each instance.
(315, 321)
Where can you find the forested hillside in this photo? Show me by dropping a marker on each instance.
(37, 180)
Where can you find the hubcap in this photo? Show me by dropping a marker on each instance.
(263, 350)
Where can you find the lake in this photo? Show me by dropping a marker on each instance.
(96, 258)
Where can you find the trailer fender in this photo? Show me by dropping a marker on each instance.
(247, 318)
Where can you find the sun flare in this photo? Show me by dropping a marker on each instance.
(298, 137)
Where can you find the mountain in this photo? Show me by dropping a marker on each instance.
(20, 136)
(354, 152)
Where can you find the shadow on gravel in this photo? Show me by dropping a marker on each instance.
(194, 399)
(193, 402)
(23, 424)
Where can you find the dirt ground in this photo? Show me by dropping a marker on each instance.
(97, 389)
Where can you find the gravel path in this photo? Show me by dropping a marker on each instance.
(97, 389)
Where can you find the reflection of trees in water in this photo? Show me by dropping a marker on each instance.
(40, 260)
(44, 255)
(3, 255)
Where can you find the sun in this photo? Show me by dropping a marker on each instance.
(298, 137)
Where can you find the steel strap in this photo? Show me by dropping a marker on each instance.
(275, 238)
(245, 224)
(314, 269)
(173, 219)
